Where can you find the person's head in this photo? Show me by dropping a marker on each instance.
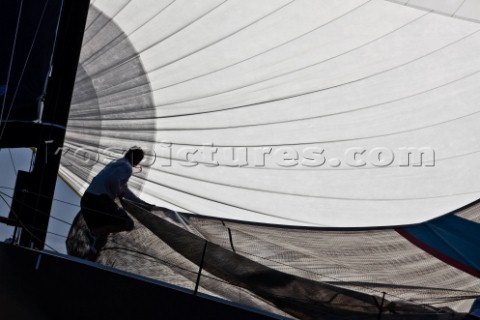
(134, 155)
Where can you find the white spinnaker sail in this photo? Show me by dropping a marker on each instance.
(289, 77)
(260, 86)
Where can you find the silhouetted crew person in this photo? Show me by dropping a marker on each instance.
(100, 211)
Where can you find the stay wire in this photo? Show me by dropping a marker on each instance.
(61, 220)
(36, 210)
(11, 64)
(12, 161)
(24, 65)
(24, 227)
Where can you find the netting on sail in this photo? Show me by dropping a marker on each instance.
(305, 273)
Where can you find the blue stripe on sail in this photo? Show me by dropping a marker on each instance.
(453, 238)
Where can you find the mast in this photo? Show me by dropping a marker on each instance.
(32, 200)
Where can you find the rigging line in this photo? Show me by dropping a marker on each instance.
(35, 209)
(281, 121)
(49, 232)
(98, 54)
(56, 234)
(57, 30)
(11, 62)
(32, 159)
(12, 161)
(284, 43)
(310, 196)
(25, 228)
(127, 60)
(25, 64)
(49, 215)
(375, 74)
(60, 220)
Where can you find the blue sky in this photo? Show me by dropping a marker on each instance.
(65, 205)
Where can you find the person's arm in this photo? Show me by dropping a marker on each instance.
(118, 184)
(129, 195)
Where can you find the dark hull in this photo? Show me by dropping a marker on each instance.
(41, 285)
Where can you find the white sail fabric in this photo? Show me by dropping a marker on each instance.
(292, 77)
(464, 9)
